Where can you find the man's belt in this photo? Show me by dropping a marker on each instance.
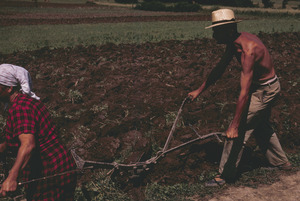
(268, 82)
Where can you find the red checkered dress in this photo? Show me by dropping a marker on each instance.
(29, 116)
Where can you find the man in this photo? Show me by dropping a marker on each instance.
(259, 86)
(31, 134)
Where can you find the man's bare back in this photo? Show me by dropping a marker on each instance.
(263, 68)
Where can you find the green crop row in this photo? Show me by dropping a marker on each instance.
(21, 38)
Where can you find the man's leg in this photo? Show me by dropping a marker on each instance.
(231, 155)
(232, 152)
(272, 149)
(233, 149)
(275, 153)
(265, 136)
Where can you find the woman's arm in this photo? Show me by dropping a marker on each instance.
(23, 156)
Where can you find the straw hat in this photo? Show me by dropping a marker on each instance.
(221, 17)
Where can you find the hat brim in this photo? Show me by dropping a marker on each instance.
(222, 23)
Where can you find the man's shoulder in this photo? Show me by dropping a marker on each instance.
(248, 42)
(247, 34)
(249, 37)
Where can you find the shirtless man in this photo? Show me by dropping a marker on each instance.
(259, 87)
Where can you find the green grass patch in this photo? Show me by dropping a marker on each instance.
(22, 38)
(184, 192)
(100, 187)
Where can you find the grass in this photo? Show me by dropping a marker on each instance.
(182, 191)
(22, 38)
(197, 191)
(101, 187)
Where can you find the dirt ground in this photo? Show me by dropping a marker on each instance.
(286, 189)
(119, 102)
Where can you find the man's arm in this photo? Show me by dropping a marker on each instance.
(216, 73)
(248, 60)
(23, 156)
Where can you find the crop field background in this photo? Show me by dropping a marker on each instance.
(58, 35)
(114, 78)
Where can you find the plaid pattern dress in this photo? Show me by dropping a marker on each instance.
(30, 116)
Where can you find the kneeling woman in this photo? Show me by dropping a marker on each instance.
(31, 134)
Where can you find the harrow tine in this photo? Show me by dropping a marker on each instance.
(194, 130)
(217, 137)
(79, 161)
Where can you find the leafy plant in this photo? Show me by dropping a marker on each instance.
(75, 96)
(100, 108)
(170, 118)
(294, 159)
(2, 122)
(100, 187)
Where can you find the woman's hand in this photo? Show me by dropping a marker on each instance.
(8, 186)
(3, 147)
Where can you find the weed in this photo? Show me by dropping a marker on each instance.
(75, 96)
(176, 192)
(258, 176)
(124, 154)
(100, 108)
(294, 159)
(63, 94)
(222, 105)
(2, 123)
(54, 114)
(170, 118)
(100, 187)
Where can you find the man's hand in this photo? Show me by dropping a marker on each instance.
(232, 132)
(194, 94)
(8, 186)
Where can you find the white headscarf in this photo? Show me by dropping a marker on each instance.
(11, 75)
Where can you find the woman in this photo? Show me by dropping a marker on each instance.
(31, 134)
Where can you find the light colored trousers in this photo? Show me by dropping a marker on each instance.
(256, 123)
